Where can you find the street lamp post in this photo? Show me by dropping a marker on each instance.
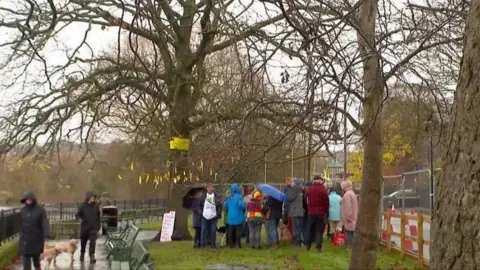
(429, 124)
(265, 167)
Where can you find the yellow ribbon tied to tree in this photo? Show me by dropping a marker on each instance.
(180, 144)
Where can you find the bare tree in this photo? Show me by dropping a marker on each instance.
(169, 73)
(359, 51)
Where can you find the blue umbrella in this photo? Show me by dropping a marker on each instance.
(271, 191)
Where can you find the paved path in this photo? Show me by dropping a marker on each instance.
(64, 262)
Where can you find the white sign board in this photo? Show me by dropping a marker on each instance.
(167, 226)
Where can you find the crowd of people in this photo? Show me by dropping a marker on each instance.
(308, 208)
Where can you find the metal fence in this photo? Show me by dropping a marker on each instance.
(409, 190)
(62, 215)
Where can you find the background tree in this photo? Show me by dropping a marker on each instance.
(360, 50)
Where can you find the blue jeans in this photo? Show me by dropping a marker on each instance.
(349, 236)
(209, 227)
(272, 233)
(297, 228)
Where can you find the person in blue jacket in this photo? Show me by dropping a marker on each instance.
(235, 207)
(333, 213)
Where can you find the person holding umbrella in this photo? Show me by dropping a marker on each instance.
(273, 213)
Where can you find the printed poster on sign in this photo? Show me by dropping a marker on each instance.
(167, 226)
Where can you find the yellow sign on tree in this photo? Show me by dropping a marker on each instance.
(180, 144)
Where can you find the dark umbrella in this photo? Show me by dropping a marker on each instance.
(187, 200)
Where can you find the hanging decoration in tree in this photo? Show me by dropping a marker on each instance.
(179, 144)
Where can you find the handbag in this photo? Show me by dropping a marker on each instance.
(339, 239)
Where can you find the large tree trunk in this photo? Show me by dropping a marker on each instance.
(456, 218)
(364, 254)
(179, 173)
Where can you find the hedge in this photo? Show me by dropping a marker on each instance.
(8, 252)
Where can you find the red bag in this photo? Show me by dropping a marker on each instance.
(339, 239)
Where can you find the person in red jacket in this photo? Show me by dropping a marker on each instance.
(317, 209)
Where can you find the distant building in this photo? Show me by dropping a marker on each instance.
(335, 170)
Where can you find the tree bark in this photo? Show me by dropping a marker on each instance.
(180, 127)
(456, 219)
(364, 254)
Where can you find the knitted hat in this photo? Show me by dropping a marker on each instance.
(257, 195)
(297, 181)
(308, 184)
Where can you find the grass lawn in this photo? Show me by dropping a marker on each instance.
(154, 226)
(181, 255)
(8, 252)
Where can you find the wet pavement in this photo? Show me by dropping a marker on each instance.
(64, 261)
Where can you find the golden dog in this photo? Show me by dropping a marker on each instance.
(283, 232)
(50, 253)
(66, 247)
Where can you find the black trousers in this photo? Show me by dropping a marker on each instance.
(88, 237)
(315, 229)
(196, 237)
(246, 232)
(234, 234)
(27, 261)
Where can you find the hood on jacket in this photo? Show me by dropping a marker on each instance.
(89, 194)
(235, 189)
(346, 185)
(28, 195)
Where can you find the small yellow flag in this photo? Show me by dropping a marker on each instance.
(147, 178)
(180, 144)
(131, 166)
(140, 179)
(119, 177)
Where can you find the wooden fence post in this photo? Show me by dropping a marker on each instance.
(402, 233)
(420, 238)
(389, 231)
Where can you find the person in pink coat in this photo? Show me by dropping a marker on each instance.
(348, 211)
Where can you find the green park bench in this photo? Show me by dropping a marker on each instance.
(128, 215)
(156, 213)
(142, 215)
(120, 249)
(137, 259)
(115, 234)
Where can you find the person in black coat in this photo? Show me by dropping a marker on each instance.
(89, 215)
(34, 230)
(197, 220)
(272, 210)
